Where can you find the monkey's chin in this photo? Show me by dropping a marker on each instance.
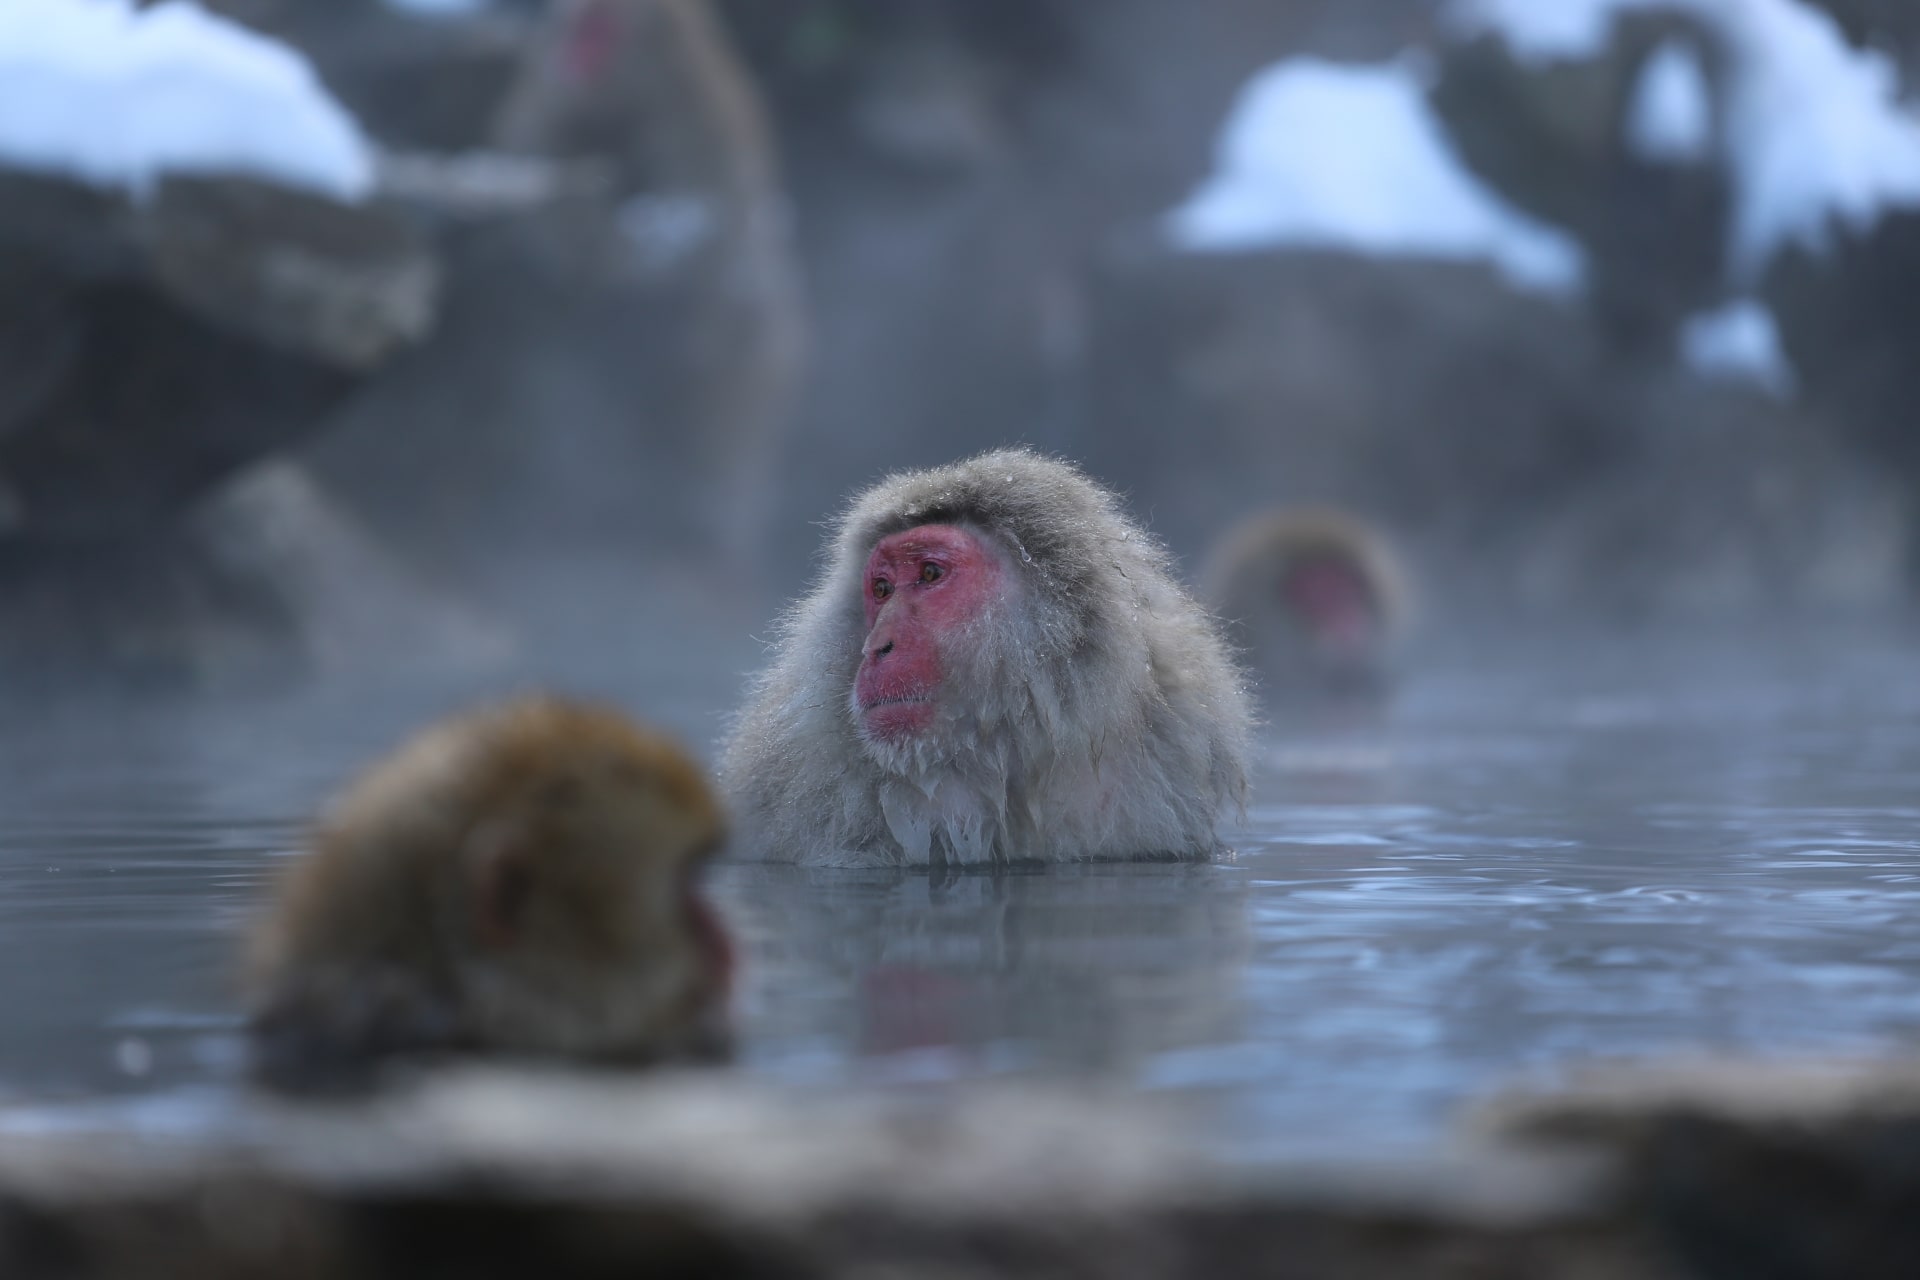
(897, 720)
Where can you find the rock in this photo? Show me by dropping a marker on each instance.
(593, 342)
(504, 1175)
(1427, 394)
(1848, 321)
(142, 615)
(1488, 430)
(345, 286)
(958, 166)
(264, 583)
(168, 342)
(1788, 1170)
(1705, 1170)
(1553, 138)
(41, 333)
(159, 406)
(1734, 506)
(355, 608)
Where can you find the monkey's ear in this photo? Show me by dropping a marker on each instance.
(500, 871)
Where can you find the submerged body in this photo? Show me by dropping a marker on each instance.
(1314, 599)
(997, 666)
(517, 881)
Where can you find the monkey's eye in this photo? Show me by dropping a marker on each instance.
(882, 588)
(931, 572)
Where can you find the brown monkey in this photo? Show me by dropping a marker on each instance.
(648, 303)
(520, 880)
(1314, 597)
(652, 85)
(654, 88)
(997, 666)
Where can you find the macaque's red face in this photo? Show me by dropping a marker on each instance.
(710, 940)
(921, 586)
(593, 36)
(1333, 599)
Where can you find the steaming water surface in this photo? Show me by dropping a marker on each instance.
(1509, 869)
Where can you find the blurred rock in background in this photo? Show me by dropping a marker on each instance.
(958, 168)
(1730, 172)
(1618, 149)
(159, 332)
(581, 313)
(1584, 307)
(981, 198)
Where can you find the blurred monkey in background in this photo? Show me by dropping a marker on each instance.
(1315, 598)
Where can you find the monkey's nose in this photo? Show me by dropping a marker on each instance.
(879, 640)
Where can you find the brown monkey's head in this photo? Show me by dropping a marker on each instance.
(522, 880)
(1328, 592)
(584, 839)
(1315, 596)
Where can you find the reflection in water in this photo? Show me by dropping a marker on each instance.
(1064, 969)
(1503, 872)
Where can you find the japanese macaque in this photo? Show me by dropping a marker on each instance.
(1314, 598)
(996, 667)
(629, 279)
(519, 881)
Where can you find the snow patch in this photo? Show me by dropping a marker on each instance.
(1671, 119)
(1320, 154)
(117, 96)
(1817, 129)
(1739, 342)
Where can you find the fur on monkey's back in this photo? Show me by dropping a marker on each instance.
(1116, 680)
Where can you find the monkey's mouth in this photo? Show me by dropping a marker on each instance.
(897, 715)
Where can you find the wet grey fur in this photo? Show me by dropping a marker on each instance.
(1115, 726)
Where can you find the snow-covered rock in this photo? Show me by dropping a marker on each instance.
(1815, 127)
(117, 96)
(1322, 155)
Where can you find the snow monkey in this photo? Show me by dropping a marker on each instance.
(1314, 597)
(996, 666)
(522, 881)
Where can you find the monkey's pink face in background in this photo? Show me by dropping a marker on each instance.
(592, 39)
(1336, 602)
(921, 586)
